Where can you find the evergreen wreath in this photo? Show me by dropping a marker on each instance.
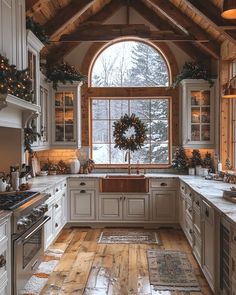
(136, 140)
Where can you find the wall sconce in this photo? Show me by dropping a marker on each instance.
(229, 9)
(229, 90)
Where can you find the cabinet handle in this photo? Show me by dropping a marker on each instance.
(191, 232)
(182, 188)
(83, 191)
(56, 206)
(64, 184)
(120, 198)
(82, 183)
(190, 194)
(124, 198)
(56, 190)
(197, 203)
(163, 184)
(3, 261)
(49, 195)
(64, 195)
(56, 224)
(207, 213)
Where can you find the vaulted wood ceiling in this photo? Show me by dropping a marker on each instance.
(195, 26)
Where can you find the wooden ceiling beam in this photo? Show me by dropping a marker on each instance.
(212, 15)
(66, 16)
(154, 19)
(107, 11)
(180, 20)
(99, 32)
(33, 6)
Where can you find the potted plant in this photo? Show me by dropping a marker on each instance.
(208, 164)
(196, 162)
(180, 160)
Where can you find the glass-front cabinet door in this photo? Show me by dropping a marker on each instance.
(66, 105)
(197, 113)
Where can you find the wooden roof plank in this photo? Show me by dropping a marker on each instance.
(154, 19)
(65, 16)
(62, 49)
(179, 19)
(212, 17)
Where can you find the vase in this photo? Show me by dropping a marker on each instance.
(199, 170)
(191, 171)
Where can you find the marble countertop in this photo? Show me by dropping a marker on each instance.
(210, 190)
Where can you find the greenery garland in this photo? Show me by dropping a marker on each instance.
(30, 136)
(192, 70)
(37, 29)
(63, 73)
(136, 140)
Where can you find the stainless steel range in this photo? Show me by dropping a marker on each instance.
(27, 233)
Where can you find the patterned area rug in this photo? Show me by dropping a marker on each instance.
(171, 271)
(39, 279)
(128, 237)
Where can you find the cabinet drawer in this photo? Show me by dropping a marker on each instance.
(189, 210)
(3, 230)
(189, 195)
(182, 187)
(162, 183)
(197, 247)
(57, 205)
(197, 202)
(189, 230)
(233, 236)
(81, 183)
(57, 222)
(4, 255)
(208, 212)
(197, 221)
(3, 285)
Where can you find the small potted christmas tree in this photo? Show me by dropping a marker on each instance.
(208, 164)
(196, 161)
(180, 160)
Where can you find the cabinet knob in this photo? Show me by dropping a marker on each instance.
(163, 184)
(83, 191)
(56, 206)
(64, 195)
(207, 213)
(56, 190)
(124, 198)
(64, 184)
(56, 224)
(120, 198)
(182, 188)
(235, 238)
(3, 261)
(190, 210)
(190, 231)
(49, 195)
(82, 183)
(197, 203)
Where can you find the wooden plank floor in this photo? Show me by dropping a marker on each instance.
(89, 268)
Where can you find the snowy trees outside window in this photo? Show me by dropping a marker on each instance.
(131, 64)
(153, 112)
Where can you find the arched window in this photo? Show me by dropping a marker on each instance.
(131, 64)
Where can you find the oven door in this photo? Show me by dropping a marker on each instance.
(28, 251)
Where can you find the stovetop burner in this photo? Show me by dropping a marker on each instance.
(15, 200)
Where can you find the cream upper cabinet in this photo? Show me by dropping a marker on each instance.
(66, 119)
(13, 32)
(198, 113)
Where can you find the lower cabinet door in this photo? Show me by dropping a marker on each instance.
(110, 207)
(82, 205)
(136, 207)
(164, 206)
(48, 228)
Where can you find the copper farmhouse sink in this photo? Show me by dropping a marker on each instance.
(124, 184)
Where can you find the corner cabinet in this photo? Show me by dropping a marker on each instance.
(66, 121)
(198, 113)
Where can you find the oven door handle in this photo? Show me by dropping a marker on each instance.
(37, 228)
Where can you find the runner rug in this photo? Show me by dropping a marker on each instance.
(171, 271)
(128, 237)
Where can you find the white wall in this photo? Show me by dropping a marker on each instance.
(10, 148)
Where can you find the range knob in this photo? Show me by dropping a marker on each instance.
(37, 212)
(43, 208)
(22, 225)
